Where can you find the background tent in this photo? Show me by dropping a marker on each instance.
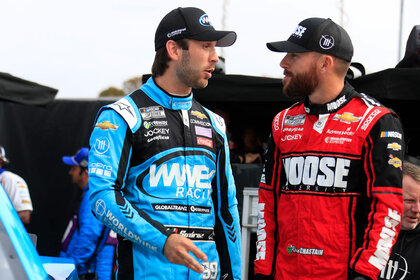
(36, 137)
(25, 92)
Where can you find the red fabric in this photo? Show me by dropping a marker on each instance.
(330, 195)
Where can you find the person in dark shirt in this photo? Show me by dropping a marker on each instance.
(404, 262)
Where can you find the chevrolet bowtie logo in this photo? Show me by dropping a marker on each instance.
(394, 146)
(346, 118)
(105, 125)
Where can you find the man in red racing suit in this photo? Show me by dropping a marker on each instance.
(330, 197)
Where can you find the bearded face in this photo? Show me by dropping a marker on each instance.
(300, 85)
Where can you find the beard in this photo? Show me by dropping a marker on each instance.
(188, 74)
(302, 84)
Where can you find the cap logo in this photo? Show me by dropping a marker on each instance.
(175, 32)
(299, 31)
(204, 20)
(326, 42)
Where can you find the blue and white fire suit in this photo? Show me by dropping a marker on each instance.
(159, 164)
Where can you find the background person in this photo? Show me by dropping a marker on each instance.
(404, 262)
(159, 164)
(17, 190)
(86, 240)
(250, 146)
(330, 197)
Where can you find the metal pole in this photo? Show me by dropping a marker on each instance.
(400, 31)
(225, 4)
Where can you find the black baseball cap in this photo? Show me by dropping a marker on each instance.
(318, 35)
(190, 23)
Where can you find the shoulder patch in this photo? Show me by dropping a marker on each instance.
(127, 112)
(218, 121)
(371, 116)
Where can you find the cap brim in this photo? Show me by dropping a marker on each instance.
(223, 38)
(69, 161)
(286, 46)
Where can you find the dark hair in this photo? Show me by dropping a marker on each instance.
(162, 58)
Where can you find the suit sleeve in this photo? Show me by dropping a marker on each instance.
(383, 157)
(267, 226)
(227, 226)
(109, 157)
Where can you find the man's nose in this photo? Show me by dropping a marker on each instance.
(416, 207)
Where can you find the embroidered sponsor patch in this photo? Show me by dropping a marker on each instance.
(394, 146)
(148, 113)
(181, 208)
(304, 251)
(291, 137)
(295, 120)
(369, 119)
(102, 145)
(150, 124)
(394, 161)
(202, 123)
(198, 115)
(105, 125)
(337, 140)
(346, 118)
(205, 142)
(336, 104)
(203, 131)
(100, 169)
(391, 134)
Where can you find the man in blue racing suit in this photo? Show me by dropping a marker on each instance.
(159, 165)
(88, 242)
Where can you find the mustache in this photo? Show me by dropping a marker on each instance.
(287, 73)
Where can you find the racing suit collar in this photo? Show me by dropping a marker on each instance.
(164, 98)
(333, 106)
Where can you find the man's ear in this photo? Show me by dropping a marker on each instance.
(327, 63)
(173, 49)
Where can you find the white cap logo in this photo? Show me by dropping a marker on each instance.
(326, 42)
(204, 20)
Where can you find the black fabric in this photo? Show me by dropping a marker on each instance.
(412, 50)
(357, 276)
(25, 92)
(263, 277)
(35, 139)
(404, 260)
(390, 84)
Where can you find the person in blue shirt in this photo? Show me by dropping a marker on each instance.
(86, 240)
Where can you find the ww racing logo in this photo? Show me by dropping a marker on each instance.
(185, 180)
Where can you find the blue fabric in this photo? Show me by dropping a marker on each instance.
(88, 235)
(160, 164)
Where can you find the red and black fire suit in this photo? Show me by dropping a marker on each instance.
(330, 197)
